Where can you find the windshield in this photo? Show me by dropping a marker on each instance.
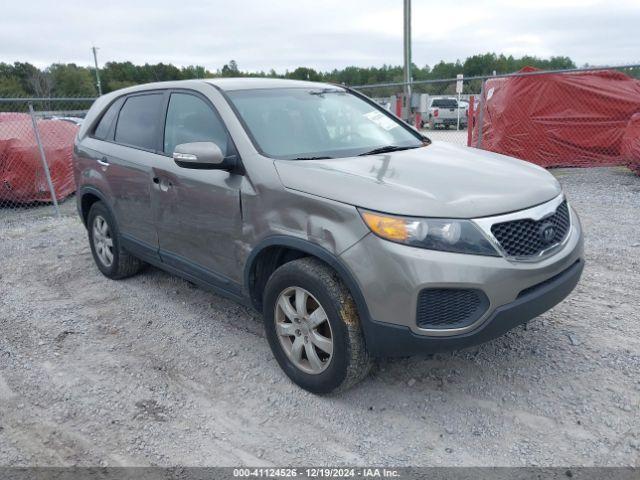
(306, 123)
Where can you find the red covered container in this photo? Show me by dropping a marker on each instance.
(559, 120)
(22, 176)
(630, 148)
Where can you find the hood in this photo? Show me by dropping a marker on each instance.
(440, 180)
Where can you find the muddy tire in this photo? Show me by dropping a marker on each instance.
(313, 328)
(111, 259)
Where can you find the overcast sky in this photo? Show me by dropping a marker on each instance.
(323, 34)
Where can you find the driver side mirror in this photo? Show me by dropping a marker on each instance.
(201, 155)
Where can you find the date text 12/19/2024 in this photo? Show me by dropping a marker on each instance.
(315, 472)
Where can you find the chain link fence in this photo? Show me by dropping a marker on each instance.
(36, 147)
(580, 117)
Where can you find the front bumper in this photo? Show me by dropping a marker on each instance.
(386, 340)
(449, 121)
(390, 277)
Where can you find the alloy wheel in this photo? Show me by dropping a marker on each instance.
(304, 330)
(102, 240)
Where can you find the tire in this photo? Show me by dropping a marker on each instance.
(348, 362)
(104, 237)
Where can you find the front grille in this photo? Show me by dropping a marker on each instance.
(525, 237)
(442, 308)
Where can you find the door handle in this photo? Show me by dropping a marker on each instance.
(104, 162)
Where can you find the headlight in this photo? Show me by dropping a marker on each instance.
(459, 236)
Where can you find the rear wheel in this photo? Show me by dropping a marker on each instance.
(313, 327)
(111, 259)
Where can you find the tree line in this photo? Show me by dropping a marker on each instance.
(22, 79)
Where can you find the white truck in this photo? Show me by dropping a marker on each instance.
(443, 112)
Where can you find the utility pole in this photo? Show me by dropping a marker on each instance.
(95, 60)
(407, 59)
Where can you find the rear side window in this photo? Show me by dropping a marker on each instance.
(104, 126)
(191, 119)
(138, 120)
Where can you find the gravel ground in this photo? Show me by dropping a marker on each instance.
(153, 371)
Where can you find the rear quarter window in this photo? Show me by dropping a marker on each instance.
(104, 125)
(138, 121)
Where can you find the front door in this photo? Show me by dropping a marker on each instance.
(198, 214)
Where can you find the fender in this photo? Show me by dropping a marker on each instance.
(85, 189)
(323, 254)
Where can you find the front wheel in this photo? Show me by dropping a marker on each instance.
(313, 327)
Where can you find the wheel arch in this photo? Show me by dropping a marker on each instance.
(87, 197)
(281, 245)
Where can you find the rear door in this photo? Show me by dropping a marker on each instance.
(128, 160)
(198, 211)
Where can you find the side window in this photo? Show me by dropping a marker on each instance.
(137, 121)
(104, 125)
(191, 119)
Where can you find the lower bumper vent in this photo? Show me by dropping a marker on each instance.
(445, 308)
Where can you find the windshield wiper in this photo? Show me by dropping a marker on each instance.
(386, 149)
(311, 158)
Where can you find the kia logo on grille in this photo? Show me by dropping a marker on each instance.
(547, 233)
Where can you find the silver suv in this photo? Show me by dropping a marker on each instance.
(353, 234)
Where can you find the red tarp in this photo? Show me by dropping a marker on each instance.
(630, 149)
(22, 177)
(568, 119)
